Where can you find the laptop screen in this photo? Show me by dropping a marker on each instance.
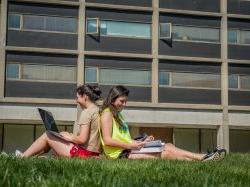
(48, 120)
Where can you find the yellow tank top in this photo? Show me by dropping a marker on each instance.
(120, 134)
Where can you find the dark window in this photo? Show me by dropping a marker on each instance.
(232, 36)
(108, 76)
(196, 33)
(233, 81)
(43, 23)
(91, 75)
(165, 30)
(36, 72)
(92, 26)
(12, 71)
(14, 21)
(186, 80)
(245, 81)
(164, 78)
(118, 28)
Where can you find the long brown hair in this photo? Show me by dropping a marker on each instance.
(114, 93)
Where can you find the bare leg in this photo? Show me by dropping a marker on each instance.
(47, 141)
(172, 152)
(144, 156)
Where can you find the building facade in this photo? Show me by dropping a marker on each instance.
(186, 63)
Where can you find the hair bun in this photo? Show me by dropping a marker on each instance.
(96, 90)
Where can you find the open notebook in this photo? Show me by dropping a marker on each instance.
(155, 146)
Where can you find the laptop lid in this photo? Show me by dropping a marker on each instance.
(48, 120)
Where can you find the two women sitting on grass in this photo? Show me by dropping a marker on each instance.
(115, 137)
(87, 141)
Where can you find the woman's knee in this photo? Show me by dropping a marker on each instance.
(169, 145)
(166, 153)
(44, 135)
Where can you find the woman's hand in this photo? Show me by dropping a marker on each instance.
(149, 138)
(136, 145)
(66, 135)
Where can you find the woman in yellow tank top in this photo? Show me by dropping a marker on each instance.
(116, 139)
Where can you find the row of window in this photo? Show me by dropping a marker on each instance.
(124, 29)
(166, 79)
(111, 28)
(111, 76)
(143, 30)
(202, 80)
(42, 23)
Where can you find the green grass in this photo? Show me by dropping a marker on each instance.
(234, 170)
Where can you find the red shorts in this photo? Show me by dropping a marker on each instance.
(78, 151)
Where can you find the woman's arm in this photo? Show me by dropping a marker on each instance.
(106, 127)
(81, 138)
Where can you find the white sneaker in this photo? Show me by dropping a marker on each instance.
(3, 153)
(18, 153)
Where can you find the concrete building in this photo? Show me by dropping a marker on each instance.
(186, 63)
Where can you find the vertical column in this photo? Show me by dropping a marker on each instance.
(223, 132)
(81, 44)
(3, 24)
(155, 41)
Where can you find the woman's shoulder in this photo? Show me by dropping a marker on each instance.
(106, 110)
(106, 114)
(90, 111)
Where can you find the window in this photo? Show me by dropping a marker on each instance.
(196, 80)
(125, 29)
(43, 23)
(33, 22)
(122, 76)
(118, 28)
(239, 82)
(91, 75)
(49, 72)
(239, 140)
(110, 76)
(188, 79)
(92, 26)
(187, 139)
(61, 24)
(12, 71)
(14, 21)
(233, 81)
(196, 33)
(245, 37)
(41, 72)
(165, 31)
(164, 78)
(20, 136)
(236, 36)
(245, 81)
(232, 36)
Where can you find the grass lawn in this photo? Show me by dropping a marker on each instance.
(234, 170)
